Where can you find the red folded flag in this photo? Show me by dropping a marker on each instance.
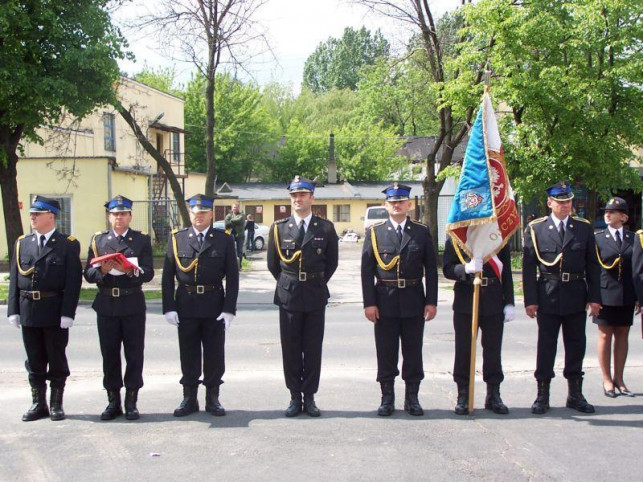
(115, 256)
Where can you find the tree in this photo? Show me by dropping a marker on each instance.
(55, 57)
(205, 33)
(336, 63)
(161, 78)
(571, 75)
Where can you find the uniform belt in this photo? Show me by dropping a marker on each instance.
(486, 281)
(37, 295)
(401, 282)
(564, 277)
(118, 292)
(305, 275)
(200, 289)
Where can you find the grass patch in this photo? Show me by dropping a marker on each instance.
(88, 294)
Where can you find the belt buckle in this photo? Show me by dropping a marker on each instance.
(116, 292)
(35, 295)
(303, 276)
(565, 277)
(485, 281)
(200, 289)
(401, 283)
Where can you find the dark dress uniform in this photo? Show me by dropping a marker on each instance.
(637, 265)
(44, 285)
(199, 299)
(568, 279)
(120, 309)
(495, 294)
(401, 298)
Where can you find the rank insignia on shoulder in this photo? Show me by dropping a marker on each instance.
(418, 222)
(70, 238)
(639, 232)
(581, 219)
(282, 220)
(144, 233)
(538, 220)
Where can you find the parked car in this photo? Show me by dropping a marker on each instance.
(261, 234)
(374, 214)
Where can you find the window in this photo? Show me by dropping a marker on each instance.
(257, 213)
(342, 213)
(176, 147)
(109, 132)
(63, 218)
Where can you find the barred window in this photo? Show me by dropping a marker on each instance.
(109, 128)
(342, 213)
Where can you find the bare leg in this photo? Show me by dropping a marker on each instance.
(620, 353)
(604, 348)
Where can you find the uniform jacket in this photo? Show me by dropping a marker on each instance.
(637, 266)
(417, 261)
(320, 254)
(135, 244)
(616, 289)
(217, 260)
(57, 268)
(493, 297)
(579, 257)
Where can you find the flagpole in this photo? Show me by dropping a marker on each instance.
(477, 282)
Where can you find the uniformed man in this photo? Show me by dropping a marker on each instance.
(496, 307)
(397, 255)
(562, 249)
(198, 259)
(44, 287)
(120, 305)
(302, 257)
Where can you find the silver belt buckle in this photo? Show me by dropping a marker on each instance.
(485, 281)
(565, 277)
(200, 289)
(116, 292)
(35, 295)
(302, 276)
(401, 283)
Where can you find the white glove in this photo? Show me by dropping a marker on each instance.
(66, 322)
(172, 317)
(227, 319)
(15, 320)
(473, 266)
(510, 312)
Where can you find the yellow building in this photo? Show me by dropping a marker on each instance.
(85, 163)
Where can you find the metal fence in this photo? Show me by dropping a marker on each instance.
(156, 217)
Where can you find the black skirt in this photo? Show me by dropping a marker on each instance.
(615, 316)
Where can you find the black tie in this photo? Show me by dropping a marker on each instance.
(619, 242)
(302, 233)
(120, 238)
(43, 238)
(399, 233)
(561, 231)
(200, 238)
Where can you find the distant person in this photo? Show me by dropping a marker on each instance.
(235, 222)
(250, 227)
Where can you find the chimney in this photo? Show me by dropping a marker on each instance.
(332, 165)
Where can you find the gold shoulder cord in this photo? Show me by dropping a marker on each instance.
(296, 255)
(458, 252)
(194, 265)
(616, 261)
(385, 266)
(94, 248)
(23, 272)
(640, 233)
(558, 258)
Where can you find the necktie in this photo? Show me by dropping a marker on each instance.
(399, 233)
(561, 231)
(619, 242)
(120, 238)
(200, 238)
(43, 238)
(302, 233)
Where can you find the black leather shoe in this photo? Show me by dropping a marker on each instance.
(190, 404)
(39, 408)
(387, 404)
(541, 404)
(212, 404)
(56, 411)
(411, 402)
(575, 398)
(610, 393)
(114, 408)
(493, 401)
(309, 406)
(295, 407)
(131, 397)
(624, 391)
(462, 404)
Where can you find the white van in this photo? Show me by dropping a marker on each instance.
(373, 215)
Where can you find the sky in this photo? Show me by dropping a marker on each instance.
(294, 29)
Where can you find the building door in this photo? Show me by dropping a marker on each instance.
(282, 211)
(219, 213)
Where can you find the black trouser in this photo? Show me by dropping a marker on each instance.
(388, 333)
(491, 328)
(208, 333)
(302, 335)
(130, 332)
(46, 346)
(573, 338)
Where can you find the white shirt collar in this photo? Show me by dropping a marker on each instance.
(306, 220)
(197, 232)
(403, 224)
(124, 234)
(613, 232)
(47, 235)
(558, 221)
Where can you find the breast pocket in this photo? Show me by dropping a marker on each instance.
(319, 245)
(26, 262)
(216, 253)
(387, 252)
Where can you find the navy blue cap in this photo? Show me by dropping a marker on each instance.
(43, 204)
(616, 204)
(299, 184)
(561, 191)
(397, 192)
(119, 204)
(200, 202)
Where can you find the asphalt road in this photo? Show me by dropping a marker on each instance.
(349, 442)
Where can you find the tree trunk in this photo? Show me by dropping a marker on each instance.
(209, 138)
(160, 160)
(9, 185)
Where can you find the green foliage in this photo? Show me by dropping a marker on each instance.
(55, 56)
(570, 74)
(336, 63)
(161, 78)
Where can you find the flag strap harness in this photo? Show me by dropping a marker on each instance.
(296, 255)
(618, 261)
(395, 262)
